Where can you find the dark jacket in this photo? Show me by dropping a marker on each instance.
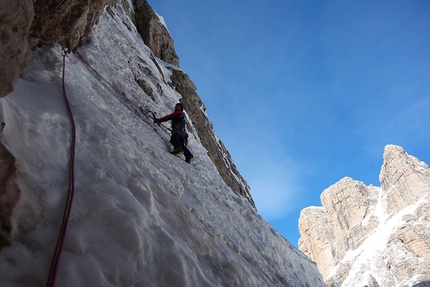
(178, 122)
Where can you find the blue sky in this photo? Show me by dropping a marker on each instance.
(304, 93)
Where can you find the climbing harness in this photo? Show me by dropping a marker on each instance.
(71, 190)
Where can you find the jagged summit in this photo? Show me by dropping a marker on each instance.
(374, 236)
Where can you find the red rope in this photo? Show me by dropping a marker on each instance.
(71, 191)
(71, 60)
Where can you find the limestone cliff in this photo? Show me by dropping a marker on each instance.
(154, 34)
(16, 18)
(369, 235)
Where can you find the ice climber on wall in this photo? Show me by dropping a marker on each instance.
(179, 135)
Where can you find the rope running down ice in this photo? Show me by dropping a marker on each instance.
(71, 191)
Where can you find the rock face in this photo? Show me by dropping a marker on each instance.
(15, 21)
(67, 23)
(365, 235)
(154, 33)
(24, 25)
(9, 195)
(16, 18)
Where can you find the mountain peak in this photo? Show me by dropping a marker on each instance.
(371, 236)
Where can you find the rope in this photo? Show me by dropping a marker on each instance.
(71, 191)
(71, 60)
(106, 81)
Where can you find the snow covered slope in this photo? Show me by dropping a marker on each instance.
(140, 216)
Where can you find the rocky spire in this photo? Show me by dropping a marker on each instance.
(404, 179)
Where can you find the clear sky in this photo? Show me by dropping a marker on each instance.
(304, 93)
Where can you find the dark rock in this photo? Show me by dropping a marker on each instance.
(154, 34)
(16, 18)
(9, 195)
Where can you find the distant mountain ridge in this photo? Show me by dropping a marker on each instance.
(373, 236)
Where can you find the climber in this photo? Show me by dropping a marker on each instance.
(179, 138)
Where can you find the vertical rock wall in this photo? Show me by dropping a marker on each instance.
(328, 232)
(403, 178)
(15, 22)
(154, 33)
(9, 195)
(67, 23)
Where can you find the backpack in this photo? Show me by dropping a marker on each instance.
(178, 126)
